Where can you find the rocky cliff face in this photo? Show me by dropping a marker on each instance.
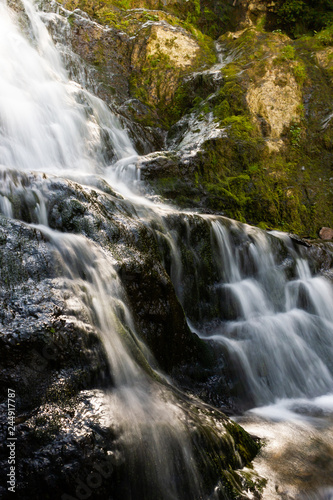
(254, 110)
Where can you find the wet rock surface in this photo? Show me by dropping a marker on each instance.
(37, 338)
(74, 439)
(78, 440)
(110, 222)
(211, 128)
(53, 357)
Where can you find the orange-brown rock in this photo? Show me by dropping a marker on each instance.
(326, 233)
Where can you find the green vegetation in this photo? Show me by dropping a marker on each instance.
(288, 53)
(298, 17)
(155, 79)
(210, 17)
(286, 187)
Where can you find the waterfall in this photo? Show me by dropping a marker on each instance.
(50, 124)
(248, 293)
(145, 410)
(281, 335)
(276, 329)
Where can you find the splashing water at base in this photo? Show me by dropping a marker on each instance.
(297, 458)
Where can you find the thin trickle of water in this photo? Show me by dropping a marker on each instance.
(227, 264)
(6, 206)
(247, 298)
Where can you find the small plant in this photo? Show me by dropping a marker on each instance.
(325, 37)
(241, 126)
(197, 7)
(300, 73)
(288, 53)
(150, 17)
(299, 17)
(295, 134)
(300, 109)
(262, 225)
(261, 24)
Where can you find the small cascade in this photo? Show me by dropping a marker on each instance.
(152, 427)
(23, 196)
(276, 329)
(5, 206)
(228, 270)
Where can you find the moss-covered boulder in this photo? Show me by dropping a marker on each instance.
(250, 146)
(251, 134)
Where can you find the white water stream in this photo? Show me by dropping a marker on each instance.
(279, 331)
(281, 335)
(49, 124)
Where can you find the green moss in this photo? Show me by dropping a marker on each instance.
(236, 174)
(262, 225)
(325, 36)
(277, 190)
(230, 100)
(241, 126)
(244, 444)
(210, 18)
(157, 83)
(71, 19)
(300, 73)
(297, 17)
(288, 53)
(123, 4)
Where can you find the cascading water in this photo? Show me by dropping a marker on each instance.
(281, 334)
(277, 330)
(145, 410)
(260, 303)
(272, 318)
(51, 125)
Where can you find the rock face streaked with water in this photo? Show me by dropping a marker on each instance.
(124, 320)
(70, 248)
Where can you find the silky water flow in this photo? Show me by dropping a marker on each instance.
(276, 331)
